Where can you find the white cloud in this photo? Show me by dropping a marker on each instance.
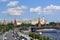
(37, 9)
(13, 3)
(53, 7)
(15, 11)
(3, 0)
(26, 19)
(47, 10)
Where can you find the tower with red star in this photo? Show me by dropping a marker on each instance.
(39, 23)
(15, 23)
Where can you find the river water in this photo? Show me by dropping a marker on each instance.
(54, 36)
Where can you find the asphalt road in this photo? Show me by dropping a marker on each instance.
(1, 37)
(9, 36)
(21, 37)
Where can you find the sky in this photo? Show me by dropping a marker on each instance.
(29, 9)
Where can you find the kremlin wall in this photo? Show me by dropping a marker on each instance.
(34, 21)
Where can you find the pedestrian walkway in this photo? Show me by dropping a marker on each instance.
(24, 35)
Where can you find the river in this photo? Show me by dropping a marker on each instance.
(54, 36)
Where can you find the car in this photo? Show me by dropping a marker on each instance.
(15, 38)
(22, 38)
(5, 38)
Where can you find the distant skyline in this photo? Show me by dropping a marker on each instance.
(29, 9)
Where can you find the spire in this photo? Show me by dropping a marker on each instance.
(4, 23)
(15, 23)
(39, 24)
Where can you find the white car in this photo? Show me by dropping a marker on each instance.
(15, 38)
(5, 38)
(22, 39)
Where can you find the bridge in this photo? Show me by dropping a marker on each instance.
(45, 29)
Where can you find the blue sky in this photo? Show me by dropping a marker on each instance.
(29, 9)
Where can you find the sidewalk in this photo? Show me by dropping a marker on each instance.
(26, 36)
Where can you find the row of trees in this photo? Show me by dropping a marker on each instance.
(24, 26)
(52, 24)
(4, 28)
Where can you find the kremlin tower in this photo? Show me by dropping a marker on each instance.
(15, 23)
(39, 24)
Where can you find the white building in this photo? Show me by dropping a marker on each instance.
(35, 21)
(42, 20)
